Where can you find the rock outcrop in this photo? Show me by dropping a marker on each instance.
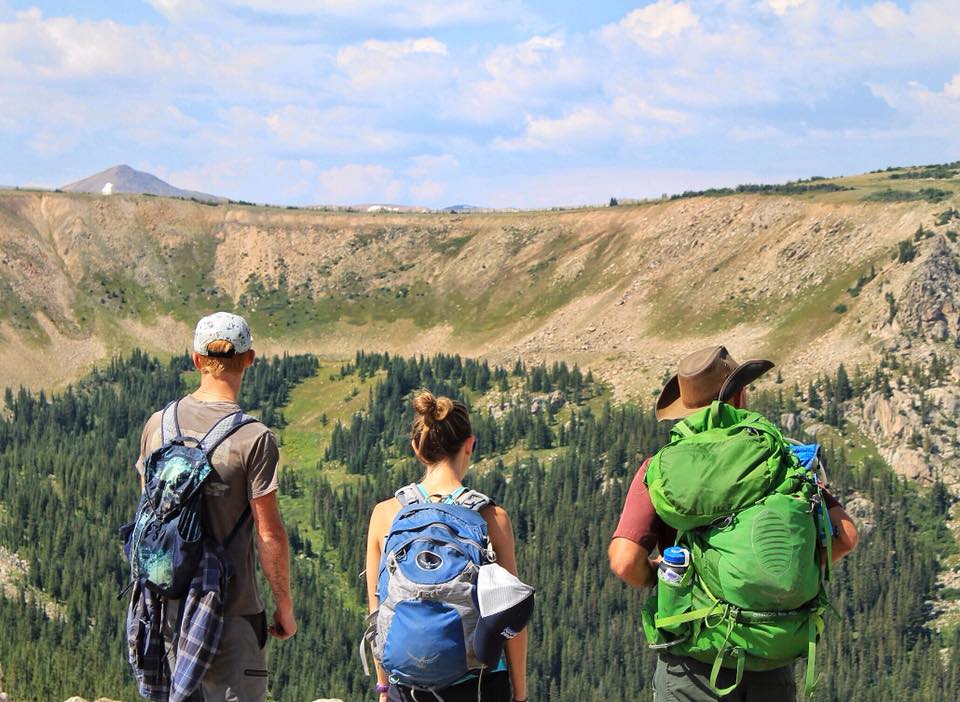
(930, 302)
(863, 513)
(915, 431)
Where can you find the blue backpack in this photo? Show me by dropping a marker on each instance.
(164, 542)
(423, 631)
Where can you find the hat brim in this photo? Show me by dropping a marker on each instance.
(742, 376)
(670, 404)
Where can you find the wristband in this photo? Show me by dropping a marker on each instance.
(382, 688)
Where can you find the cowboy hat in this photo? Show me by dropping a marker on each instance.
(704, 376)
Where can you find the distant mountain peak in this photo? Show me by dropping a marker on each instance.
(126, 179)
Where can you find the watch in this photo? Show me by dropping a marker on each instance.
(382, 688)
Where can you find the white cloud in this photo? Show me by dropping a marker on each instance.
(952, 88)
(781, 7)
(887, 15)
(227, 177)
(177, 9)
(521, 78)
(633, 107)
(659, 20)
(427, 191)
(358, 183)
(389, 50)
(405, 14)
(932, 112)
(218, 80)
(536, 53)
(596, 184)
(66, 48)
(626, 118)
(390, 68)
(428, 175)
(428, 166)
(333, 130)
(582, 123)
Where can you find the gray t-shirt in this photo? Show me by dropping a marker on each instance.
(245, 467)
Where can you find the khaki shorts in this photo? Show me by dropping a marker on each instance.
(239, 672)
(681, 679)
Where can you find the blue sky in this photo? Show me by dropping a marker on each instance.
(526, 103)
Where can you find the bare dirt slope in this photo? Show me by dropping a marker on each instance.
(624, 290)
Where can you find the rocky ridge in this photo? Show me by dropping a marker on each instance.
(623, 291)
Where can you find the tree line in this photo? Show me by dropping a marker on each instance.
(67, 483)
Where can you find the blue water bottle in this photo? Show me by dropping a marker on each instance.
(673, 565)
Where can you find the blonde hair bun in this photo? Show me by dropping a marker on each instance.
(432, 409)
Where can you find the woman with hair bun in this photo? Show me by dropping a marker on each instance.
(443, 441)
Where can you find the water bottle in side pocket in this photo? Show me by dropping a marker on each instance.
(673, 566)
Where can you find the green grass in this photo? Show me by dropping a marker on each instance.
(18, 314)
(450, 246)
(813, 312)
(305, 437)
(891, 195)
(860, 449)
(474, 316)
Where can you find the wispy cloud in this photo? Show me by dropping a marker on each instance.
(299, 101)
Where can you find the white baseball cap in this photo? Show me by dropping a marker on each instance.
(222, 326)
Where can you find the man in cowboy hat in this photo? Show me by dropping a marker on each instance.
(702, 377)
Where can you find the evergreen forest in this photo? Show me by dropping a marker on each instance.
(554, 450)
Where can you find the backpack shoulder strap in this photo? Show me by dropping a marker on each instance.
(409, 495)
(236, 527)
(683, 429)
(471, 499)
(169, 423)
(224, 428)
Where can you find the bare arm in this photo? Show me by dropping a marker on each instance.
(501, 535)
(375, 532)
(274, 551)
(631, 563)
(846, 539)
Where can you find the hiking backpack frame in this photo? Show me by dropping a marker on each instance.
(164, 542)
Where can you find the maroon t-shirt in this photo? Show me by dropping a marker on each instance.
(639, 522)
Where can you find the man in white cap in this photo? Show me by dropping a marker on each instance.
(244, 482)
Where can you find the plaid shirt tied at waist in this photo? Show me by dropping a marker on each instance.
(196, 637)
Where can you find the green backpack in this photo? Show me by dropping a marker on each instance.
(751, 518)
